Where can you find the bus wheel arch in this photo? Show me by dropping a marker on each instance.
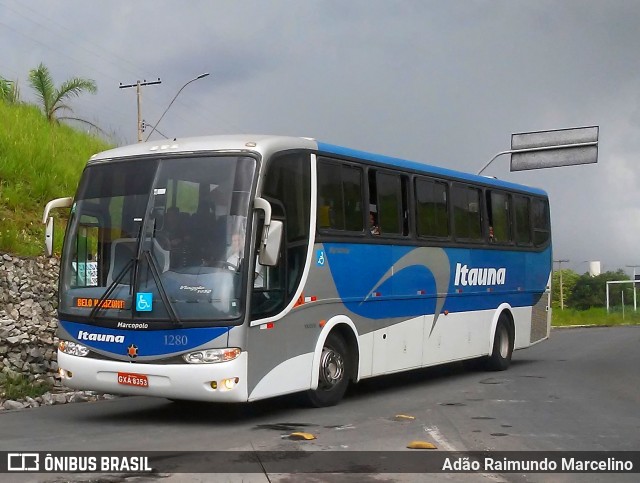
(335, 364)
(502, 341)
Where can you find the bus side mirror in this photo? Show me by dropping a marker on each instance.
(271, 238)
(48, 237)
(270, 247)
(48, 220)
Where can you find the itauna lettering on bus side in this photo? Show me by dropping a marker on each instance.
(105, 304)
(479, 276)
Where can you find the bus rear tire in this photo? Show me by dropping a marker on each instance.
(333, 378)
(503, 340)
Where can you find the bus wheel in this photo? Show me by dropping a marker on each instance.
(500, 357)
(334, 373)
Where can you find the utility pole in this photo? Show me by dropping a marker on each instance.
(137, 85)
(560, 262)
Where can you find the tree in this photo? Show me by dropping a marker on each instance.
(53, 99)
(591, 291)
(9, 91)
(569, 280)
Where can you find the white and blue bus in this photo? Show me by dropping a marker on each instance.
(237, 268)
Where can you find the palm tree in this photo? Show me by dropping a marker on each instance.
(53, 99)
(9, 91)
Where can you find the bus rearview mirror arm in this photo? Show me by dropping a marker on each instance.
(48, 221)
(271, 238)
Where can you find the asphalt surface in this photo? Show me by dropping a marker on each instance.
(579, 391)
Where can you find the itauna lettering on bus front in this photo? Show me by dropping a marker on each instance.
(149, 343)
(88, 302)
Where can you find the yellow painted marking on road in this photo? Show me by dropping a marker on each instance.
(400, 417)
(421, 445)
(303, 436)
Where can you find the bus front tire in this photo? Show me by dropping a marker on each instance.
(333, 378)
(500, 357)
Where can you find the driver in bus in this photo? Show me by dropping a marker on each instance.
(235, 256)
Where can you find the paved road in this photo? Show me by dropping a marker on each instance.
(579, 391)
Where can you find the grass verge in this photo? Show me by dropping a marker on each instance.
(595, 317)
(18, 386)
(39, 161)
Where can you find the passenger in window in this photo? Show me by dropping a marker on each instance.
(373, 224)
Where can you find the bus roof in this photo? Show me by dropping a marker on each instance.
(259, 143)
(268, 144)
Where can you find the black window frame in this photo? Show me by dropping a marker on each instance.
(447, 205)
(340, 164)
(297, 231)
(490, 217)
(546, 228)
(456, 185)
(409, 209)
(529, 243)
(402, 203)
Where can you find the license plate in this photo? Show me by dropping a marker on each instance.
(138, 380)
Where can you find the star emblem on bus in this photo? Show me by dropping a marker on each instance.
(132, 351)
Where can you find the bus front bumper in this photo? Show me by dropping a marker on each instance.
(221, 382)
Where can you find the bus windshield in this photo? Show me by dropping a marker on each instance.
(159, 239)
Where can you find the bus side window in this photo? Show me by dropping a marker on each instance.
(499, 213)
(432, 211)
(467, 213)
(389, 192)
(287, 186)
(522, 219)
(339, 196)
(541, 224)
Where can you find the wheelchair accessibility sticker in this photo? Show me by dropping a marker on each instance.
(144, 301)
(320, 260)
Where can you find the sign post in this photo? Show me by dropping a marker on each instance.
(552, 149)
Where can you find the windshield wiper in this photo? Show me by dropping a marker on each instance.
(112, 286)
(163, 293)
(132, 263)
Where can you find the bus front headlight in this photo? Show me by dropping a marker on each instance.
(211, 356)
(73, 348)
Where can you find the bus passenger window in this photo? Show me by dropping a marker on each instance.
(467, 216)
(499, 212)
(541, 224)
(339, 197)
(390, 204)
(432, 208)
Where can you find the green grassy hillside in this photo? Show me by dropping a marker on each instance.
(39, 161)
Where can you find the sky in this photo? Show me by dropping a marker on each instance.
(444, 82)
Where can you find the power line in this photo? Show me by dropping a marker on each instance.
(95, 50)
(72, 36)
